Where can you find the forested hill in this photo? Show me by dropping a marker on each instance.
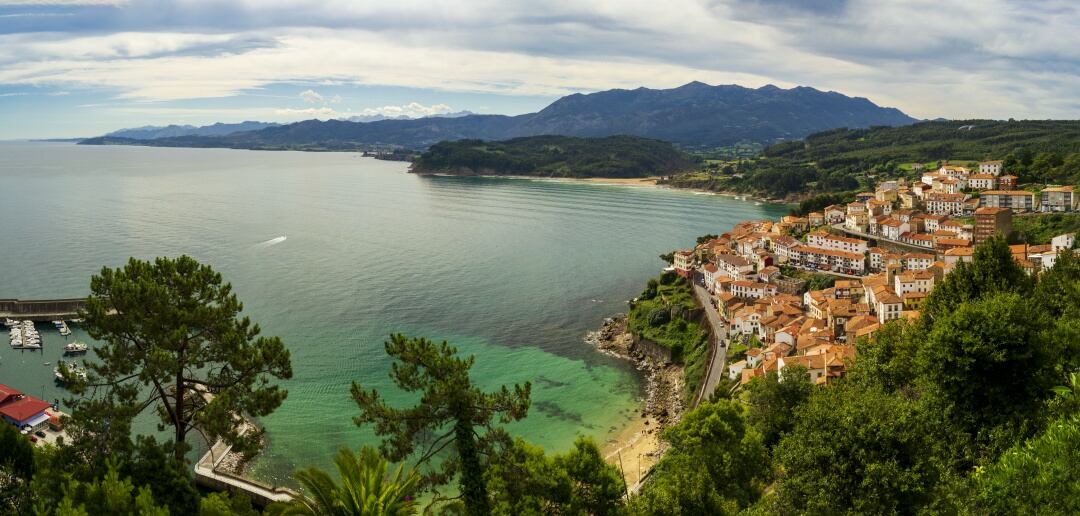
(931, 141)
(851, 159)
(554, 156)
(694, 115)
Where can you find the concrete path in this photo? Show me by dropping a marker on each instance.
(718, 351)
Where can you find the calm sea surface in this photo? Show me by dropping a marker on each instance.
(512, 271)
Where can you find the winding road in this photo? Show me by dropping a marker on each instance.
(718, 351)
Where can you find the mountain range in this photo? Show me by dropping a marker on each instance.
(150, 132)
(692, 115)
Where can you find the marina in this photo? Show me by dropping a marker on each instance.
(23, 334)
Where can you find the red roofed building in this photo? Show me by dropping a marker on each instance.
(21, 409)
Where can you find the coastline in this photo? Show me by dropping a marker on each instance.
(637, 447)
(651, 182)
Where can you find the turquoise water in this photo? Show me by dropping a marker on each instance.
(513, 271)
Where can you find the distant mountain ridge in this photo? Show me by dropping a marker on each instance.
(150, 132)
(699, 114)
(692, 115)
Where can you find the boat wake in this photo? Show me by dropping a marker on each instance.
(272, 241)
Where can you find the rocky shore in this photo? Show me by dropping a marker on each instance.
(637, 447)
(664, 382)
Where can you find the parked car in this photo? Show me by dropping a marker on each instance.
(40, 434)
(33, 439)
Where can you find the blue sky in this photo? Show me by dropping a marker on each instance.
(85, 67)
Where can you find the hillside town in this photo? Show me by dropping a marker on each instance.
(887, 251)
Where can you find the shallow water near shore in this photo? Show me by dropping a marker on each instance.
(333, 252)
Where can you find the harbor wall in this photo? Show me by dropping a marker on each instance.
(41, 309)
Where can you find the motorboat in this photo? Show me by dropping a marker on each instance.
(75, 348)
(62, 327)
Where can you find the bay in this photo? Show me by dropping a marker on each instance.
(512, 271)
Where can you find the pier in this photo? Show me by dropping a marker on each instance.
(41, 310)
(209, 473)
(213, 472)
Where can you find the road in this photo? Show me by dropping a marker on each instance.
(880, 240)
(715, 370)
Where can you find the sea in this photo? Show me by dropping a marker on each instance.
(334, 252)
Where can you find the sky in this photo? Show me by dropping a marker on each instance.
(72, 68)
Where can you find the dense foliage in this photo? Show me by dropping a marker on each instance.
(716, 464)
(1041, 228)
(367, 487)
(665, 313)
(555, 156)
(179, 347)
(523, 480)
(971, 409)
(449, 411)
(845, 160)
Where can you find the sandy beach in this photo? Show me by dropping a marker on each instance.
(635, 449)
(637, 181)
(637, 446)
(619, 181)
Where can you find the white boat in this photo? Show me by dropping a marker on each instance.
(75, 348)
(62, 327)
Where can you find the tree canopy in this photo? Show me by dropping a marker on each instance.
(449, 411)
(367, 486)
(555, 156)
(716, 464)
(173, 342)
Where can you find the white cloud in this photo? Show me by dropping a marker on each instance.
(63, 2)
(312, 97)
(349, 57)
(411, 110)
(929, 57)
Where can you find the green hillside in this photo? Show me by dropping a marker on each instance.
(854, 159)
(555, 156)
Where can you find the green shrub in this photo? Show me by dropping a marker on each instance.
(659, 316)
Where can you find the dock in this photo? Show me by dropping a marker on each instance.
(210, 474)
(211, 471)
(41, 310)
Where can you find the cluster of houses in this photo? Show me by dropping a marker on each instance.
(741, 270)
(957, 190)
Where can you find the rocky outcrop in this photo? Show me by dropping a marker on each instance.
(664, 380)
